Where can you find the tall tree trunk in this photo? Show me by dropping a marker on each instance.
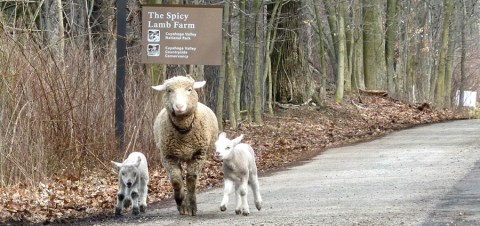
(221, 77)
(440, 86)
(450, 60)
(270, 41)
(391, 27)
(323, 66)
(294, 81)
(249, 60)
(257, 82)
(341, 52)
(373, 47)
(241, 57)
(463, 55)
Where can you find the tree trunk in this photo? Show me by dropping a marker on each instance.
(391, 27)
(341, 52)
(249, 60)
(294, 81)
(373, 47)
(257, 81)
(440, 86)
(450, 61)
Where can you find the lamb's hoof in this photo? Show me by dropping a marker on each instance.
(258, 205)
(118, 212)
(245, 213)
(223, 208)
(127, 203)
(135, 211)
(142, 208)
(238, 212)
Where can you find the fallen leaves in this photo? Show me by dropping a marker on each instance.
(288, 137)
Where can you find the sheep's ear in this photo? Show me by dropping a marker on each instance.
(116, 165)
(197, 85)
(139, 160)
(159, 87)
(222, 135)
(237, 140)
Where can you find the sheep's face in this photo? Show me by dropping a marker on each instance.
(180, 97)
(129, 174)
(225, 146)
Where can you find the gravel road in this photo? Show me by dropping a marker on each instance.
(428, 175)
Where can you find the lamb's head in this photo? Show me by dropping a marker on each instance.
(180, 97)
(128, 171)
(225, 146)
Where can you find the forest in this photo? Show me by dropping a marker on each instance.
(58, 73)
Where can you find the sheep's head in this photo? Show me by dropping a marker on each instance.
(128, 172)
(180, 97)
(225, 146)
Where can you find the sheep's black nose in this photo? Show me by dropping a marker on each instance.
(129, 184)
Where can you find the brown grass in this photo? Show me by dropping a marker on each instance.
(59, 118)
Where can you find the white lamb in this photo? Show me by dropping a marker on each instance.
(133, 180)
(185, 130)
(239, 170)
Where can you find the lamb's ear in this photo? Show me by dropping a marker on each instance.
(197, 85)
(139, 160)
(159, 87)
(222, 135)
(116, 165)
(237, 140)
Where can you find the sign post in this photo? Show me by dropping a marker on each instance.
(120, 78)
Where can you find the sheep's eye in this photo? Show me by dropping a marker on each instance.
(123, 173)
(227, 148)
(134, 174)
(190, 89)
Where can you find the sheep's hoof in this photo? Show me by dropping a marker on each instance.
(187, 210)
(238, 212)
(223, 208)
(245, 213)
(126, 203)
(118, 212)
(136, 211)
(142, 208)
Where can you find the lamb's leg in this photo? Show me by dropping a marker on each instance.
(143, 193)
(135, 208)
(174, 171)
(227, 190)
(118, 207)
(238, 197)
(120, 199)
(243, 193)
(256, 190)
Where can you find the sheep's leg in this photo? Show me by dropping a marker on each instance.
(256, 191)
(135, 208)
(174, 171)
(227, 190)
(243, 194)
(143, 192)
(193, 170)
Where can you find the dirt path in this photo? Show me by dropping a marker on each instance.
(426, 175)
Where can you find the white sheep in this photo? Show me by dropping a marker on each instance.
(133, 180)
(239, 170)
(185, 131)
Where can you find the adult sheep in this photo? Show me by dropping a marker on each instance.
(185, 131)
